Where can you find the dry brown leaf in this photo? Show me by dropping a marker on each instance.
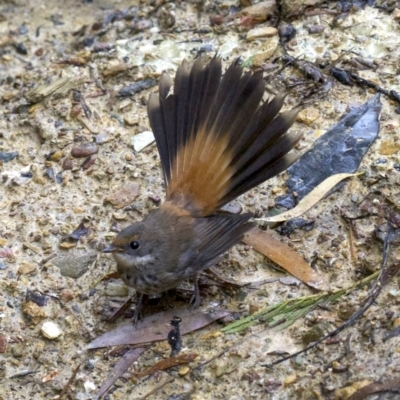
(310, 200)
(156, 327)
(285, 257)
(119, 369)
(389, 386)
(167, 363)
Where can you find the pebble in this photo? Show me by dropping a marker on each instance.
(74, 263)
(26, 268)
(123, 196)
(142, 140)
(89, 386)
(396, 323)
(116, 289)
(269, 48)
(3, 343)
(56, 155)
(51, 330)
(88, 162)
(68, 164)
(308, 116)
(9, 95)
(66, 295)
(396, 14)
(389, 147)
(84, 150)
(260, 32)
(33, 311)
(290, 379)
(184, 370)
(6, 157)
(131, 120)
(102, 138)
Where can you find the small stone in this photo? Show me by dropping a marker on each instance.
(67, 245)
(3, 242)
(155, 198)
(396, 323)
(66, 295)
(396, 14)
(75, 263)
(102, 138)
(26, 268)
(260, 32)
(89, 386)
(9, 95)
(123, 196)
(128, 157)
(119, 216)
(33, 311)
(290, 379)
(269, 48)
(212, 335)
(84, 150)
(389, 147)
(131, 120)
(142, 140)
(56, 155)
(308, 116)
(6, 157)
(51, 330)
(184, 370)
(3, 343)
(117, 289)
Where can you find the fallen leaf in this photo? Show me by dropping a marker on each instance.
(120, 367)
(340, 150)
(156, 327)
(391, 386)
(167, 363)
(310, 200)
(285, 257)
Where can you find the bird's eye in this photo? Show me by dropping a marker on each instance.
(134, 245)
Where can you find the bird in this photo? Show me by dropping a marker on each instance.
(216, 139)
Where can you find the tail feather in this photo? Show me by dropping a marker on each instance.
(215, 141)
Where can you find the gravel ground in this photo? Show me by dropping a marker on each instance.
(79, 165)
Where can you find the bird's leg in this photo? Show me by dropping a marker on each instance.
(196, 299)
(138, 310)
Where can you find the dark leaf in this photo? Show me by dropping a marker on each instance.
(156, 327)
(340, 150)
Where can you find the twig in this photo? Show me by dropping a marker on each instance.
(157, 388)
(70, 380)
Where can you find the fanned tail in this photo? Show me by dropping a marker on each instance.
(215, 140)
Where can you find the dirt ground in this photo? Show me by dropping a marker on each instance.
(76, 151)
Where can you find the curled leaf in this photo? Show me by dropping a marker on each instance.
(310, 200)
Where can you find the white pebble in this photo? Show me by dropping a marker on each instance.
(51, 330)
(89, 386)
(142, 140)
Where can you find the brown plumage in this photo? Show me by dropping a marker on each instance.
(215, 142)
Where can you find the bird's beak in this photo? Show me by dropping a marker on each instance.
(110, 249)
